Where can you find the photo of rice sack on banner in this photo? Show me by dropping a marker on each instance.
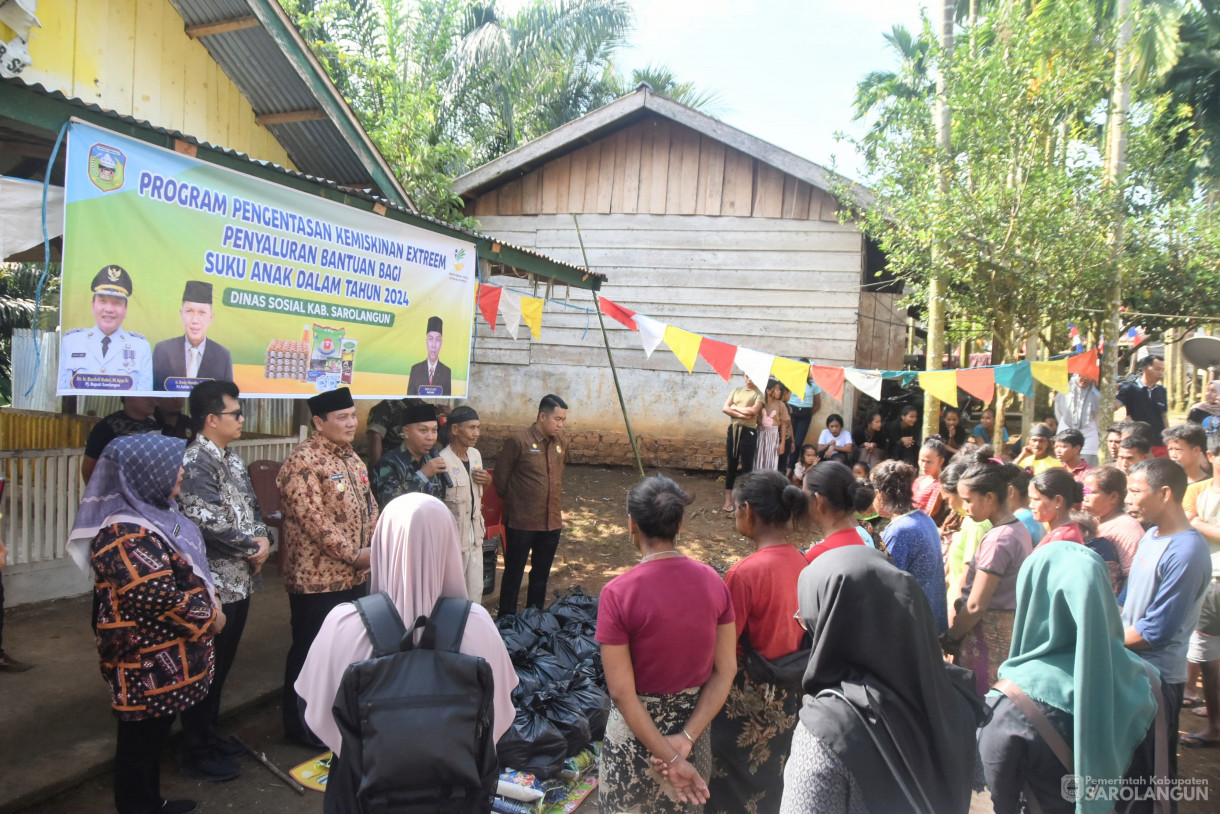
(177, 271)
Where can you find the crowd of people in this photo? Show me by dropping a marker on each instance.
(955, 618)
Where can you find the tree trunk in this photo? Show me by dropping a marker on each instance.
(1029, 403)
(1116, 168)
(936, 286)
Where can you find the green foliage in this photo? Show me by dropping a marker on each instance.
(446, 85)
(1023, 227)
(18, 288)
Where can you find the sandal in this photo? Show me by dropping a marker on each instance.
(1190, 702)
(1194, 741)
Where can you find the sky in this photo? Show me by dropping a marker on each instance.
(786, 70)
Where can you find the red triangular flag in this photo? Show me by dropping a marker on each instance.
(489, 303)
(829, 379)
(719, 355)
(978, 382)
(617, 312)
(1085, 364)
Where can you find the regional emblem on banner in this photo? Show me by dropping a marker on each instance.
(459, 257)
(106, 165)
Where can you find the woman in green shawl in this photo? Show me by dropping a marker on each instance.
(1068, 657)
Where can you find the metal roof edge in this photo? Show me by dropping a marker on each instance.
(280, 27)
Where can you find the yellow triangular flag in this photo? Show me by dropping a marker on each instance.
(531, 313)
(1054, 374)
(941, 384)
(794, 375)
(684, 344)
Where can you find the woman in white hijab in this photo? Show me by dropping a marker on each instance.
(416, 559)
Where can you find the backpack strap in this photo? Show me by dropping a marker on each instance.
(381, 620)
(1040, 722)
(449, 617)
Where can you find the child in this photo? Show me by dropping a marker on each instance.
(926, 492)
(809, 459)
(774, 428)
(834, 444)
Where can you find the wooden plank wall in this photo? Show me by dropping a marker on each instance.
(787, 287)
(883, 331)
(657, 167)
(133, 57)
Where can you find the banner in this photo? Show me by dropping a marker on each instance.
(177, 271)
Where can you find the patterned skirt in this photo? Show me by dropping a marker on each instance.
(629, 784)
(751, 739)
(766, 453)
(986, 647)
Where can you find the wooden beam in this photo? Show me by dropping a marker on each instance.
(291, 117)
(221, 26)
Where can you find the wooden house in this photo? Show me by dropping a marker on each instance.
(699, 225)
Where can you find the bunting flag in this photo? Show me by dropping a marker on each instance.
(866, 381)
(830, 379)
(978, 382)
(531, 312)
(510, 309)
(617, 312)
(1085, 365)
(755, 365)
(1016, 377)
(1054, 374)
(719, 355)
(651, 333)
(792, 374)
(489, 303)
(940, 384)
(684, 344)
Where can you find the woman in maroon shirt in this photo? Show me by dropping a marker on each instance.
(753, 732)
(1052, 496)
(667, 636)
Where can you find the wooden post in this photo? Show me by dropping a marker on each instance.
(622, 403)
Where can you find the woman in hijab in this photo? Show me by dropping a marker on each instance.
(886, 725)
(1068, 658)
(416, 559)
(154, 606)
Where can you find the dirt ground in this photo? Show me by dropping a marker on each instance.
(594, 548)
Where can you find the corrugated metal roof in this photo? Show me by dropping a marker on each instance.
(272, 67)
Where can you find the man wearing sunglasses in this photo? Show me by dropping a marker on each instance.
(218, 496)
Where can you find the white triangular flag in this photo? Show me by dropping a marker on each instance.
(866, 381)
(510, 309)
(651, 332)
(756, 365)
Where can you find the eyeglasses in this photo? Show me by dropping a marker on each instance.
(237, 414)
(800, 621)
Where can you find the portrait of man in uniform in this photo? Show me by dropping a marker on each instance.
(192, 355)
(430, 374)
(107, 349)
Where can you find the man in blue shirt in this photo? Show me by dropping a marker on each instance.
(1145, 400)
(1169, 573)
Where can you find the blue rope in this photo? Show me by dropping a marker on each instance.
(46, 252)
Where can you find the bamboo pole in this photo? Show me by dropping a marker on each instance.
(622, 403)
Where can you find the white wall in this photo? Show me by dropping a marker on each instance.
(787, 287)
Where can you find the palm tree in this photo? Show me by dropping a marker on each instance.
(1195, 79)
(889, 93)
(662, 79)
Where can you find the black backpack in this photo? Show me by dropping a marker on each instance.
(416, 720)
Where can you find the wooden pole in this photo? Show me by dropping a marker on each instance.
(622, 403)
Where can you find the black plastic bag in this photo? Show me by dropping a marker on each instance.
(579, 628)
(533, 744)
(566, 714)
(575, 605)
(539, 621)
(591, 668)
(548, 668)
(594, 702)
(562, 647)
(516, 633)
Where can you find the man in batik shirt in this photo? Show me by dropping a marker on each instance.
(329, 517)
(217, 495)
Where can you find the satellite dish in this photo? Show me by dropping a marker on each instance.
(1202, 351)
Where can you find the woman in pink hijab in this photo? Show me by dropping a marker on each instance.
(416, 559)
